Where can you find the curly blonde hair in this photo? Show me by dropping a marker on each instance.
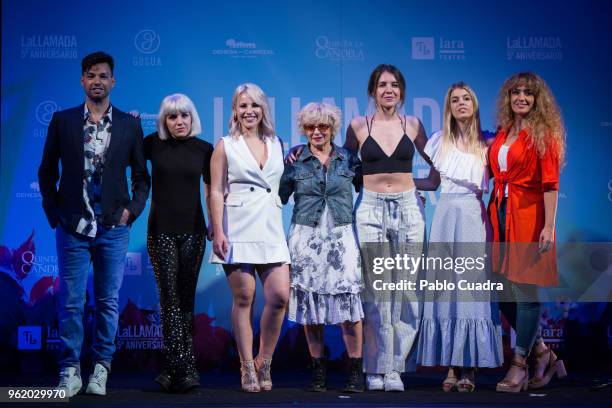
(315, 113)
(544, 119)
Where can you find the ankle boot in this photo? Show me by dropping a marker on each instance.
(319, 375)
(355, 378)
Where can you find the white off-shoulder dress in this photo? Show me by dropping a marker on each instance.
(459, 333)
(252, 218)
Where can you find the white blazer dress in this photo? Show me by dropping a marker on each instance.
(252, 218)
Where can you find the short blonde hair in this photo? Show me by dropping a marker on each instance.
(315, 113)
(266, 126)
(175, 104)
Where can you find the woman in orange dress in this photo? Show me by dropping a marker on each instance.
(525, 160)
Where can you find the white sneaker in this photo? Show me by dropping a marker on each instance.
(70, 381)
(374, 382)
(393, 382)
(97, 381)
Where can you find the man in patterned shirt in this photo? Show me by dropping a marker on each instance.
(91, 212)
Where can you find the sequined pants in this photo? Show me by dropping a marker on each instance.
(176, 263)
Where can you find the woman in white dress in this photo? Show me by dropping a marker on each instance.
(249, 238)
(458, 332)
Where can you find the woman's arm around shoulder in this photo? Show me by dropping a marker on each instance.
(352, 140)
(432, 181)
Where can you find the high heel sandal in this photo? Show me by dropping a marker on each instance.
(450, 382)
(554, 366)
(248, 376)
(263, 374)
(467, 384)
(508, 386)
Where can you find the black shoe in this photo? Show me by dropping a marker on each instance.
(164, 380)
(355, 378)
(319, 375)
(185, 384)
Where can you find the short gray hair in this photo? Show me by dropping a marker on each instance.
(175, 104)
(315, 113)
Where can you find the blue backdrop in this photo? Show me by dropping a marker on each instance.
(297, 52)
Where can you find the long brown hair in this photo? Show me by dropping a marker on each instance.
(544, 119)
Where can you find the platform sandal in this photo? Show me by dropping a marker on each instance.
(554, 366)
(507, 386)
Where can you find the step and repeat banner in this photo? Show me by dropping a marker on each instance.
(298, 52)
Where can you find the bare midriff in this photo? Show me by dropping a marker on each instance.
(388, 182)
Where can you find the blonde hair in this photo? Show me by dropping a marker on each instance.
(266, 126)
(476, 144)
(173, 105)
(544, 120)
(315, 113)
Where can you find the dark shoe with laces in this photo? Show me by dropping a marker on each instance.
(355, 379)
(319, 375)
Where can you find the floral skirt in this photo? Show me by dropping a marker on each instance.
(325, 273)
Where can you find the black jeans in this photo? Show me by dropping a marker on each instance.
(524, 314)
(176, 263)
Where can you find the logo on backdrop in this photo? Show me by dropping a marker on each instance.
(29, 338)
(147, 120)
(147, 43)
(339, 50)
(52, 339)
(534, 48)
(451, 50)
(45, 111)
(139, 329)
(552, 322)
(57, 46)
(424, 48)
(242, 49)
(38, 265)
(133, 264)
(33, 192)
(610, 190)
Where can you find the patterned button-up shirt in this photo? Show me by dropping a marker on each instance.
(96, 138)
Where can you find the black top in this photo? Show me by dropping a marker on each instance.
(375, 161)
(177, 166)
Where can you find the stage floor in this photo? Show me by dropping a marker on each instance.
(422, 390)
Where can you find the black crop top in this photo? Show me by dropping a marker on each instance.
(375, 161)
